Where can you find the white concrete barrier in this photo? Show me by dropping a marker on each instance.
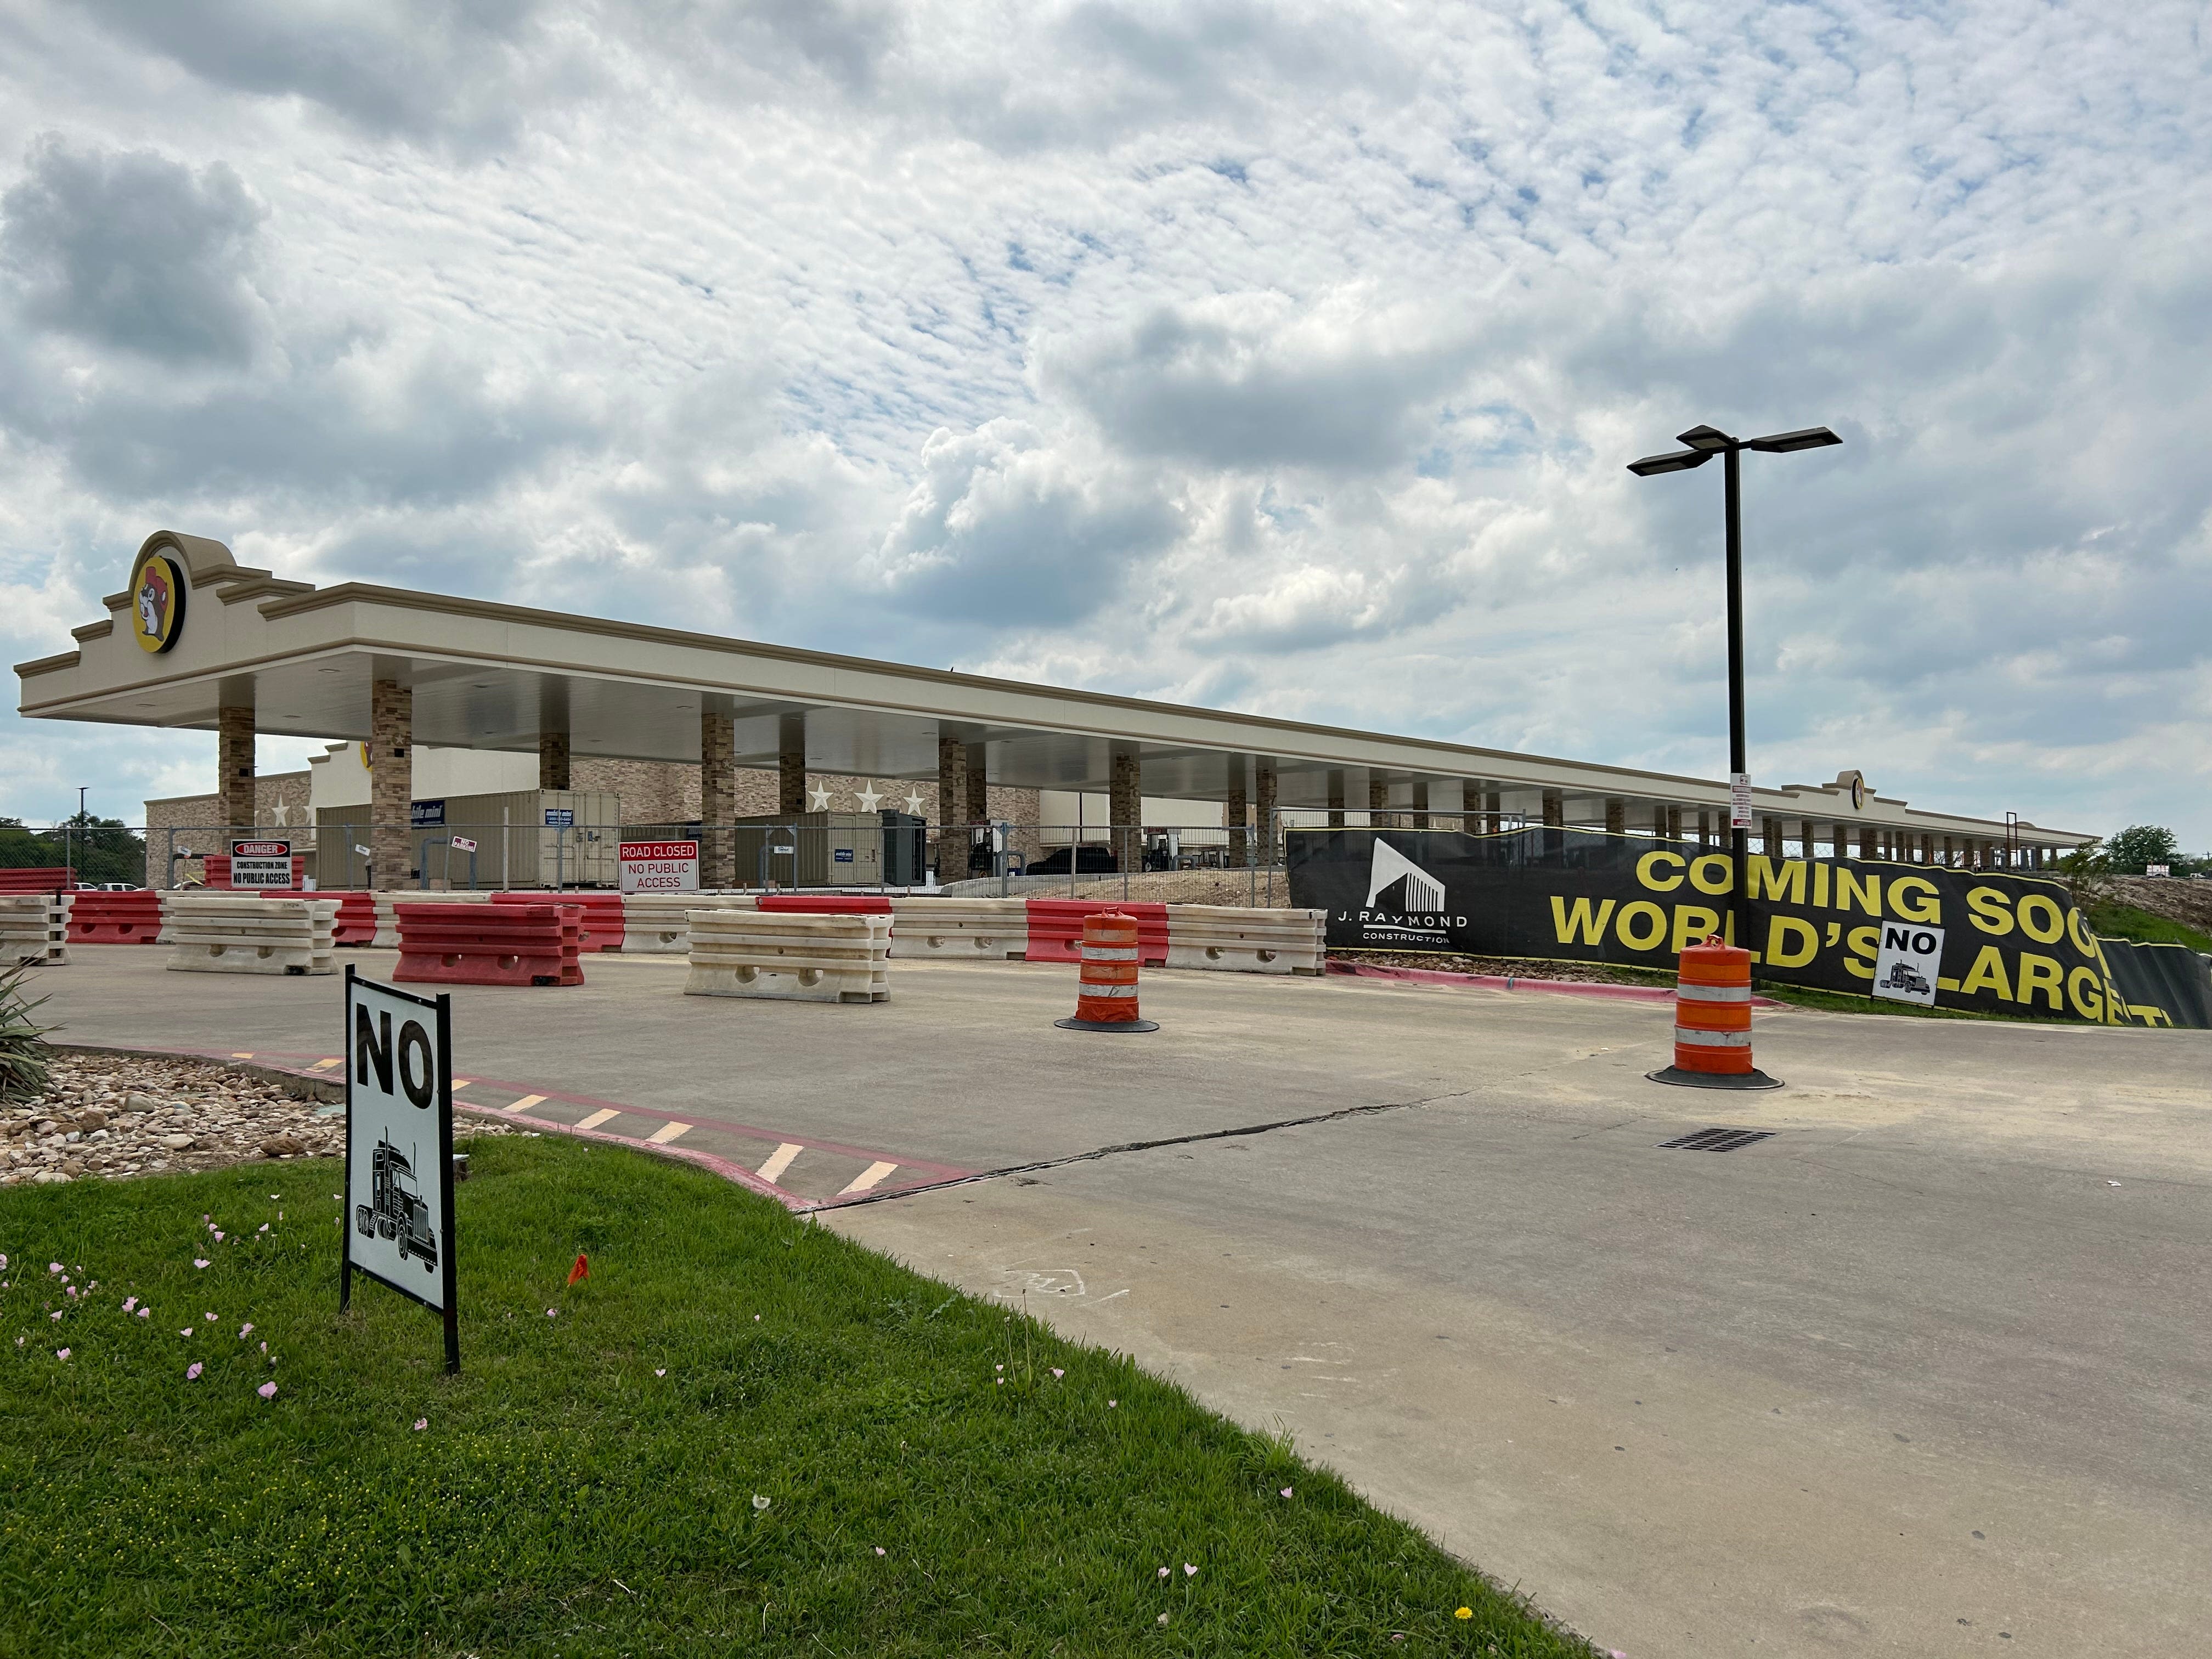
(984, 929)
(388, 925)
(34, 929)
(657, 924)
(241, 933)
(1224, 938)
(789, 956)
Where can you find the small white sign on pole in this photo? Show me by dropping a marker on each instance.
(658, 866)
(1906, 962)
(398, 1217)
(1738, 800)
(463, 844)
(261, 864)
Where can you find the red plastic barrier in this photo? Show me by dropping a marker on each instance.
(1056, 928)
(489, 944)
(218, 876)
(115, 919)
(356, 917)
(56, 880)
(603, 914)
(828, 904)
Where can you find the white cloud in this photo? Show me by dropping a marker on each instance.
(1281, 357)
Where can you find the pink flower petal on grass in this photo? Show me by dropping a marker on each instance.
(552, 1313)
(661, 1371)
(1287, 1491)
(1056, 1372)
(879, 1549)
(267, 1391)
(61, 1353)
(245, 1330)
(199, 1261)
(128, 1303)
(1188, 1570)
(210, 1319)
(420, 1424)
(145, 1313)
(1163, 1572)
(218, 1239)
(192, 1371)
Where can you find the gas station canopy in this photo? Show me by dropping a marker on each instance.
(494, 677)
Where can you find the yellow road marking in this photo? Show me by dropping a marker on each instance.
(779, 1161)
(324, 1065)
(460, 1083)
(599, 1117)
(247, 1056)
(668, 1132)
(867, 1178)
(526, 1102)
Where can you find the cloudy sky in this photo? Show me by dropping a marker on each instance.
(1276, 357)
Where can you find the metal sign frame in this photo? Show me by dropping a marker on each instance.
(440, 1008)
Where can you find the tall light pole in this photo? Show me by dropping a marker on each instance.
(1705, 442)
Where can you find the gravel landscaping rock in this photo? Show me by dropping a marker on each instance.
(111, 1115)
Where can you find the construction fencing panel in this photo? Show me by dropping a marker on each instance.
(2007, 943)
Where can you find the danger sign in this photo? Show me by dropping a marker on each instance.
(658, 866)
(1905, 962)
(261, 864)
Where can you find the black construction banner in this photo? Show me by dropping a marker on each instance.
(2005, 944)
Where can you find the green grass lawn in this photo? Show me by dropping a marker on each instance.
(739, 1433)
(2114, 920)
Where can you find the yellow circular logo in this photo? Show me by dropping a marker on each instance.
(157, 601)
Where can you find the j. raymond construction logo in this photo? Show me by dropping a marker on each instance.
(1405, 904)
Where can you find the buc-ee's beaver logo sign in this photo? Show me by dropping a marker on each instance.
(157, 601)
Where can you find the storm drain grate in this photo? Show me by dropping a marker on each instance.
(1717, 1141)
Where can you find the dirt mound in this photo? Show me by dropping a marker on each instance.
(2188, 902)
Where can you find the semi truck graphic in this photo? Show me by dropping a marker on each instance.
(395, 1211)
(1904, 977)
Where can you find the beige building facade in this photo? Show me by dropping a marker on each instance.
(196, 641)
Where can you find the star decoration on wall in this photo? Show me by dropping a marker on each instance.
(820, 800)
(868, 798)
(914, 805)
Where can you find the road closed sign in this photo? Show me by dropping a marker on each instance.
(261, 864)
(1905, 962)
(398, 1215)
(659, 866)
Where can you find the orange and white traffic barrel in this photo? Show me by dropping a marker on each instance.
(1106, 998)
(1713, 1021)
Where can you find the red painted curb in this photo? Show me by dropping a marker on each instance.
(1571, 987)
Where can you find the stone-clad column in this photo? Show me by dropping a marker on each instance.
(1336, 800)
(718, 799)
(1555, 808)
(1378, 801)
(791, 765)
(979, 783)
(1265, 806)
(391, 782)
(1805, 838)
(1237, 815)
(1126, 809)
(1673, 823)
(1420, 804)
(951, 853)
(234, 766)
(553, 761)
(1616, 815)
(1770, 835)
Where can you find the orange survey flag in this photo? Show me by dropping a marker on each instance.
(581, 1270)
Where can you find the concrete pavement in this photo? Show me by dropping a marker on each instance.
(1926, 1373)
